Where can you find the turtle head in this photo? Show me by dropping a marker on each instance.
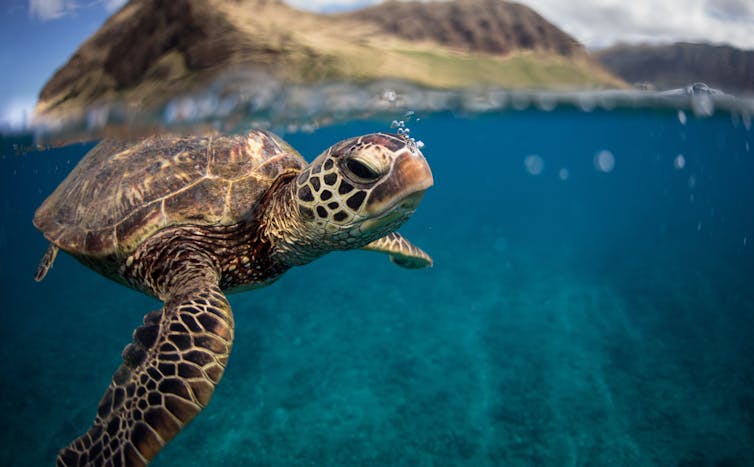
(361, 189)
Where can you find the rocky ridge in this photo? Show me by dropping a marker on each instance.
(678, 65)
(152, 50)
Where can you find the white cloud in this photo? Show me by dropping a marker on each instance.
(599, 23)
(46, 10)
(112, 5)
(732, 9)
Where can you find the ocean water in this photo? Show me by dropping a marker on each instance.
(591, 303)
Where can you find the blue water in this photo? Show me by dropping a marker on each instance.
(604, 319)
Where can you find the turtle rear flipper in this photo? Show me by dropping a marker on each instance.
(167, 377)
(401, 251)
(46, 263)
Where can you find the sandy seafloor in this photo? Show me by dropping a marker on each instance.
(604, 319)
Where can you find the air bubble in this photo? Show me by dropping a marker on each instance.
(604, 161)
(389, 95)
(402, 129)
(679, 162)
(534, 164)
(682, 117)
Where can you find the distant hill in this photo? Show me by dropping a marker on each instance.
(677, 65)
(152, 50)
(486, 26)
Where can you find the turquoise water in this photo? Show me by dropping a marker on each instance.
(591, 303)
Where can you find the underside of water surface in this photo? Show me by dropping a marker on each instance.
(591, 303)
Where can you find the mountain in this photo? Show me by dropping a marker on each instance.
(484, 26)
(680, 64)
(152, 50)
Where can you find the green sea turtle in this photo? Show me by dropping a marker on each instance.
(184, 219)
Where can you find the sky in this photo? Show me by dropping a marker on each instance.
(39, 36)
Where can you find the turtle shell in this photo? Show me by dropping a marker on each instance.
(121, 193)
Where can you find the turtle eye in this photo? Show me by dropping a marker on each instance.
(361, 171)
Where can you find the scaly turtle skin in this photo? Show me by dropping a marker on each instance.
(185, 219)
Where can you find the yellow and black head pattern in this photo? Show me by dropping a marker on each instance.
(362, 188)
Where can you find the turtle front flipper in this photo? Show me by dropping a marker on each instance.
(401, 251)
(167, 377)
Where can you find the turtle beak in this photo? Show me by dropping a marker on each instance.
(405, 186)
(414, 172)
